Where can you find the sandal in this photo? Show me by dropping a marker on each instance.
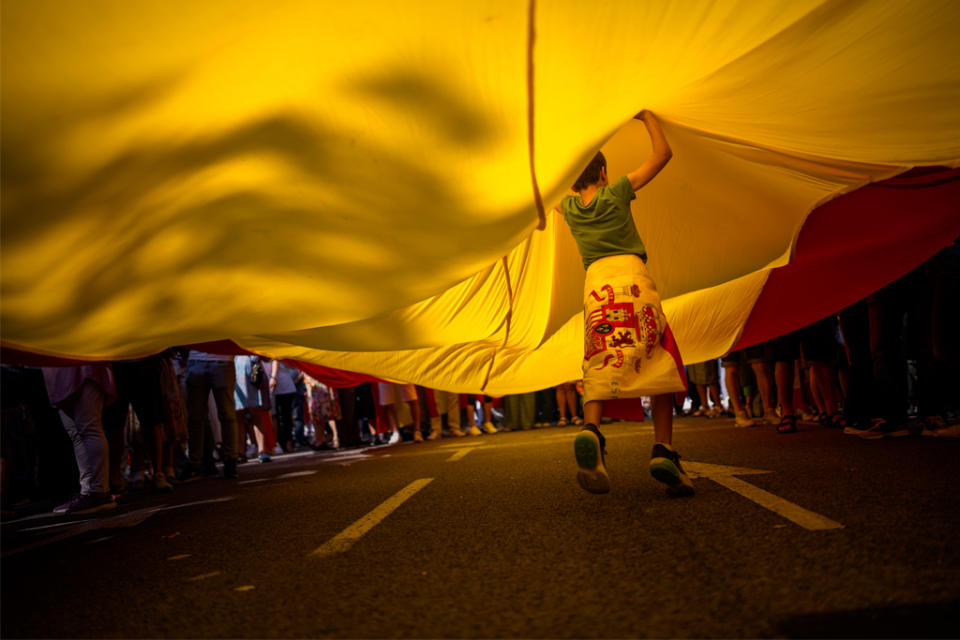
(562, 423)
(788, 424)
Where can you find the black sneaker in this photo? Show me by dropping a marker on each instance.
(87, 503)
(665, 467)
(589, 448)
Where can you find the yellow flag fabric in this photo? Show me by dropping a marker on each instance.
(357, 185)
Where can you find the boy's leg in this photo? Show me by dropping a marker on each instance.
(588, 447)
(665, 462)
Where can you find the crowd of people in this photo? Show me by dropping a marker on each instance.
(885, 367)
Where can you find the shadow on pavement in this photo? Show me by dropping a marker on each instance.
(936, 620)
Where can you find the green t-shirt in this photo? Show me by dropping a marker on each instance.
(604, 227)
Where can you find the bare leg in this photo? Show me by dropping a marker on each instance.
(562, 402)
(784, 375)
(592, 411)
(416, 414)
(663, 418)
(766, 389)
(732, 379)
(715, 393)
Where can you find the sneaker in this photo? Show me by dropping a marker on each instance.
(264, 457)
(716, 412)
(879, 428)
(135, 481)
(87, 503)
(474, 431)
(578, 421)
(698, 413)
(456, 432)
(417, 436)
(160, 483)
(589, 449)
(665, 467)
(230, 469)
(435, 434)
(489, 428)
(743, 420)
(190, 474)
(394, 438)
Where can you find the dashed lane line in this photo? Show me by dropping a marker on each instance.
(346, 538)
(204, 576)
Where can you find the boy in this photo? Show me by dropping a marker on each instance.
(628, 348)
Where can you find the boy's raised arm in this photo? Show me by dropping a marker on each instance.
(658, 159)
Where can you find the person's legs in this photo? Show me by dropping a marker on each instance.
(198, 390)
(731, 375)
(588, 448)
(224, 379)
(664, 460)
(714, 390)
(417, 416)
(85, 408)
(285, 421)
(765, 386)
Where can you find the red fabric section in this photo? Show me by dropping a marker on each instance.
(856, 244)
(15, 356)
(333, 378)
(431, 401)
(624, 409)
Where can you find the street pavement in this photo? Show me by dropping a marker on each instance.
(811, 534)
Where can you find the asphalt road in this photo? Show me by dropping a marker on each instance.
(812, 534)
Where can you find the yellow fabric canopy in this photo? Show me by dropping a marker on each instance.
(351, 184)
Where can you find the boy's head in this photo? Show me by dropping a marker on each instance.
(595, 173)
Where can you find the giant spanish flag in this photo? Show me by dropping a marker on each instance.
(369, 187)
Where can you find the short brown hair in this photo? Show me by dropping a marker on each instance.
(591, 175)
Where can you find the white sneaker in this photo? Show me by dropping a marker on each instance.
(474, 431)
(489, 428)
(394, 438)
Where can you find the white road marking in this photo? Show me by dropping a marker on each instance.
(246, 587)
(255, 481)
(296, 474)
(204, 576)
(724, 476)
(179, 557)
(346, 538)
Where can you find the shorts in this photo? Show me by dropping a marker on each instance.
(389, 393)
(750, 355)
(704, 372)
